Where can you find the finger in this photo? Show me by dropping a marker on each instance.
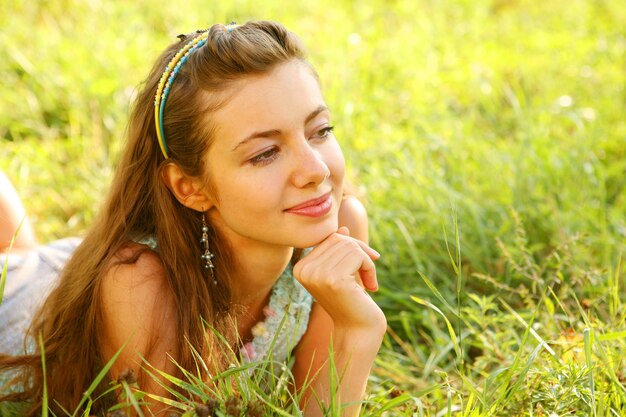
(327, 254)
(369, 279)
(335, 257)
(343, 230)
(317, 251)
(372, 253)
(329, 241)
(361, 267)
(346, 264)
(342, 260)
(367, 273)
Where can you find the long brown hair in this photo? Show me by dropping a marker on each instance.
(140, 205)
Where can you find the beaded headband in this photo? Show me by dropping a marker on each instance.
(165, 83)
(169, 74)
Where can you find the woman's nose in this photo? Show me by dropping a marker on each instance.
(310, 169)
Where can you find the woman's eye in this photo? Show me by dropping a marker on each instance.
(265, 157)
(323, 133)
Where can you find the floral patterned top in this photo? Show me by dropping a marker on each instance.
(286, 320)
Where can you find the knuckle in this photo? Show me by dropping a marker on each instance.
(336, 237)
(341, 283)
(306, 273)
(303, 272)
(349, 246)
(296, 270)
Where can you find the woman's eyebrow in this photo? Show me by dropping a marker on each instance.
(276, 132)
(315, 112)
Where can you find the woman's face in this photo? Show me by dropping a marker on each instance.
(275, 165)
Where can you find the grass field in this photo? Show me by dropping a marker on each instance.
(487, 139)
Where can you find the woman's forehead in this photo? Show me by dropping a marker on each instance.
(281, 99)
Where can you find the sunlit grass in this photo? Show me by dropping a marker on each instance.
(486, 138)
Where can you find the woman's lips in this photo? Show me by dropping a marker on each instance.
(316, 207)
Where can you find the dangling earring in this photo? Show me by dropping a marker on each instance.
(207, 255)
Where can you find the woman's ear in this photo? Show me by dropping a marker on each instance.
(188, 191)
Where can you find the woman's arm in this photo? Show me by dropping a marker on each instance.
(12, 214)
(344, 316)
(354, 354)
(139, 313)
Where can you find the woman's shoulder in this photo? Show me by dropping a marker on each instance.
(133, 271)
(138, 254)
(353, 215)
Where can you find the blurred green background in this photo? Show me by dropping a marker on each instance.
(487, 135)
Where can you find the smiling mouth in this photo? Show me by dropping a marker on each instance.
(316, 207)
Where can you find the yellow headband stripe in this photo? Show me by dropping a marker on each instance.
(165, 83)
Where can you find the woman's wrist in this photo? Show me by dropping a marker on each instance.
(373, 328)
(359, 339)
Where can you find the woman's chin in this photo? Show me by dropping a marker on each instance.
(315, 238)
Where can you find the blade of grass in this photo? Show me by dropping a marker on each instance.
(44, 397)
(451, 331)
(601, 352)
(588, 337)
(611, 336)
(103, 373)
(437, 293)
(456, 265)
(3, 275)
(131, 397)
(532, 331)
(614, 294)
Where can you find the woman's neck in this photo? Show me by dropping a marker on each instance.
(253, 278)
(257, 267)
(257, 264)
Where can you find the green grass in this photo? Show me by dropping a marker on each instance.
(488, 140)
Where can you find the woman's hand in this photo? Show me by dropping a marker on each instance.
(336, 273)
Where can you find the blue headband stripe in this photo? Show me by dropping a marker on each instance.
(163, 90)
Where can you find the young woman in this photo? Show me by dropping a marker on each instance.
(230, 170)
